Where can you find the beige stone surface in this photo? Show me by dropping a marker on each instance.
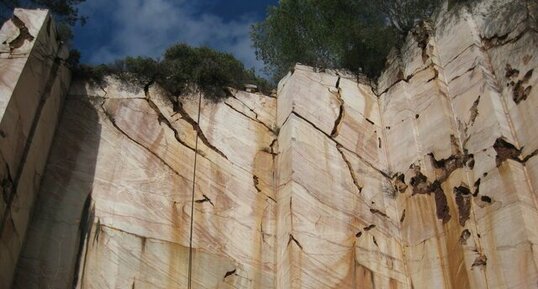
(425, 180)
(33, 83)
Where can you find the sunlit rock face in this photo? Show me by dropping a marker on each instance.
(424, 180)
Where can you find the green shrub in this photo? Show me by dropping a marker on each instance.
(347, 34)
(182, 70)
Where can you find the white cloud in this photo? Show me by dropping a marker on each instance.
(148, 27)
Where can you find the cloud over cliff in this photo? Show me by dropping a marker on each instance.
(144, 27)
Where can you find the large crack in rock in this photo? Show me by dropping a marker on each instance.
(384, 174)
(341, 113)
(24, 34)
(112, 120)
(178, 108)
(350, 169)
(505, 151)
(463, 201)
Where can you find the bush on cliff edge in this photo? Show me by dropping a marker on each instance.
(182, 70)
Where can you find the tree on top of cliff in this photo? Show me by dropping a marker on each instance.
(350, 34)
(182, 70)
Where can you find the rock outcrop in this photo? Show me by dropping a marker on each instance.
(425, 180)
(33, 83)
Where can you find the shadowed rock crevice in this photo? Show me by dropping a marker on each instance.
(341, 113)
(421, 185)
(24, 34)
(505, 151)
(350, 169)
(178, 108)
(463, 201)
(163, 119)
(112, 120)
(378, 212)
(249, 117)
(206, 199)
(398, 181)
(292, 239)
(384, 174)
(465, 235)
(230, 273)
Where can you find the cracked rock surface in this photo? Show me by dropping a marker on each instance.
(426, 180)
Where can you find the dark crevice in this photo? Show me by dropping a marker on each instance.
(178, 107)
(368, 228)
(445, 167)
(378, 212)
(375, 241)
(271, 148)
(511, 72)
(458, 76)
(230, 273)
(520, 89)
(341, 113)
(476, 187)
(474, 112)
(7, 183)
(86, 221)
(528, 157)
(253, 119)
(402, 218)
(463, 201)
(480, 261)
(486, 199)
(113, 122)
(163, 119)
(419, 182)
(500, 40)
(441, 203)
(24, 34)
(206, 199)
(435, 75)
(337, 143)
(398, 181)
(421, 185)
(358, 235)
(465, 235)
(256, 181)
(292, 239)
(505, 151)
(350, 169)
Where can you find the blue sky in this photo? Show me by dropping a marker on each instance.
(119, 28)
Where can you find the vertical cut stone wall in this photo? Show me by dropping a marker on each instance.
(425, 180)
(33, 82)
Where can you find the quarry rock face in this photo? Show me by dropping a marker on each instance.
(33, 83)
(426, 179)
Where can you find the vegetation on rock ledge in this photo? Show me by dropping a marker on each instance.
(356, 35)
(182, 70)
